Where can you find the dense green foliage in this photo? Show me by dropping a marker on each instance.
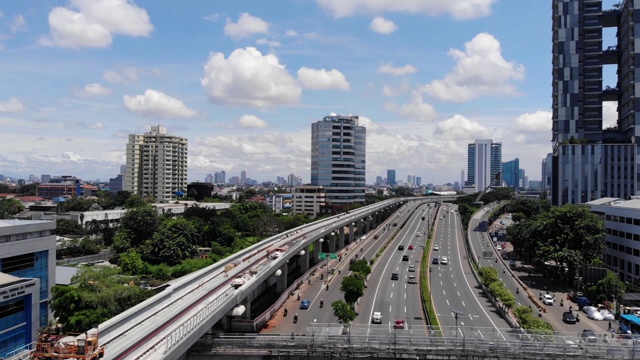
(343, 311)
(98, 294)
(10, 207)
(67, 227)
(570, 235)
(78, 247)
(353, 288)
(607, 289)
(491, 280)
(529, 321)
(24, 190)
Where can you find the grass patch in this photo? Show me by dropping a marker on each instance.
(426, 295)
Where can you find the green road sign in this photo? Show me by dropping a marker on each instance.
(322, 256)
(333, 256)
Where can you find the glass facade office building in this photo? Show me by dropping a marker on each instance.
(511, 173)
(590, 162)
(338, 158)
(27, 273)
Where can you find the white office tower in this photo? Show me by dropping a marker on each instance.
(484, 166)
(338, 158)
(156, 164)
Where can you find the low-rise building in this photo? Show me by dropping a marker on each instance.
(622, 223)
(309, 199)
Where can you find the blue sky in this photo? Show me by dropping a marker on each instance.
(243, 81)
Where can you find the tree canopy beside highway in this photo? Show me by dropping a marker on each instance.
(571, 235)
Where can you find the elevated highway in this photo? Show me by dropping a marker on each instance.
(166, 325)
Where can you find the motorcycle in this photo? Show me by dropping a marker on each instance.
(285, 312)
(517, 290)
(327, 287)
(295, 318)
(321, 303)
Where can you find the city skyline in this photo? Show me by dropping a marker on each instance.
(425, 81)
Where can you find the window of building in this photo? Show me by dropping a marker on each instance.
(16, 263)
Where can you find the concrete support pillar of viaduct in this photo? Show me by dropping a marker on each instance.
(247, 308)
(304, 260)
(281, 285)
(318, 250)
(367, 224)
(351, 232)
(332, 243)
(341, 238)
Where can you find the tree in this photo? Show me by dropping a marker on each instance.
(67, 227)
(138, 225)
(174, 241)
(344, 311)
(131, 263)
(10, 207)
(361, 267)
(134, 201)
(608, 288)
(353, 288)
(488, 275)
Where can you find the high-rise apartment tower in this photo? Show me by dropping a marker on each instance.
(156, 164)
(484, 164)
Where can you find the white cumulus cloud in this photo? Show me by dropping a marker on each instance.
(246, 26)
(457, 9)
(416, 109)
(271, 43)
(480, 71)
(252, 121)
(249, 78)
(156, 104)
(382, 25)
(321, 79)
(291, 33)
(460, 128)
(121, 76)
(12, 105)
(397, 70)
(539, 121)
(93, 23)
(93, 89)
(18, 24)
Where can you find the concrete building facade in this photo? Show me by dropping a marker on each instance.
(484, 164)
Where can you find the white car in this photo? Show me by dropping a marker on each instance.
(444, 260)
(547, 299)
(499, 247)
(376, 318)
(607, 315)
(594, 314)
(586, 309)
(436, 247)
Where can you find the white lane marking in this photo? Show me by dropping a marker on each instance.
(444, 292)
(447, 302)
(405, 296)
(458, 293)
(480, 333)
(454, 284)
(470, 288)
(441, 282)
(392, 295)
(463, 304)
(405, 309)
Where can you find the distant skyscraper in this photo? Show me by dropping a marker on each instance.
(546, 171)
(379, 181)
(45, 178)
(522, 179)
(123, 169)
(291, 180)
(338, 158)
(484, 166)
(418, 180)
(391, 177)
(156, 164)
(511, 173)
(243, 177)
(209, 179)
(220, 177)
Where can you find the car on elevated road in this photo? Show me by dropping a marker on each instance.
(444, 260)
(436, 247)
(305, 304)
(376, 318)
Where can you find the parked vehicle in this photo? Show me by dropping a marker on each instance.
(593, 313)
(607, 315)
(582, 302)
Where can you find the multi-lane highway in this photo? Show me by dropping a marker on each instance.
(457, 299)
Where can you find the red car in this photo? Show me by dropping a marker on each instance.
(410, 247)
(399, 324)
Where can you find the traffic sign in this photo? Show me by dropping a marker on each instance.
(333, 256)
(322, 256)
